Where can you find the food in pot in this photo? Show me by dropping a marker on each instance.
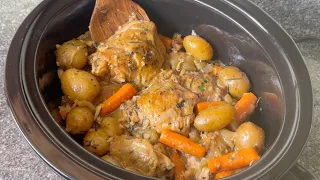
(97, 141)
(198, 47)
(235, 81)
(79, 120)
(214, 117)
(163, 107)
(135, 53)
(79, 85)
(72, 54)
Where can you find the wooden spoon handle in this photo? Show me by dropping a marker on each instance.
(108, 15)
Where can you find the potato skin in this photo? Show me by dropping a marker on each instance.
(214, 118)
(97, 141)
(249, 135)
(79, 85)
(111, 126)
(235, 80)
(72, 54)
(198, 47)
(182, 61)
(79, 120)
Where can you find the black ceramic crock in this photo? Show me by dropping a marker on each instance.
(242, 34)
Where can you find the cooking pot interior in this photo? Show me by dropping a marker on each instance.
(233, 44)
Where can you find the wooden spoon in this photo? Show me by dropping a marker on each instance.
(108, 15)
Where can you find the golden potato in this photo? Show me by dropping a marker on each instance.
(236, 81)
(79, 85)
(79, 120)
(249, 135)
(72, 54)
(110, 160)
(198, 47)
(182, 61)
(214, 118)
(111, 126)
(97, 141)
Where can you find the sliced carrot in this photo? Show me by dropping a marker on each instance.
(224, 174)
(234, 160)
(181, 143)
(179, 166)
(125, 93)
(217, 69)
(166, 41)
(204, 105)
(245, 106)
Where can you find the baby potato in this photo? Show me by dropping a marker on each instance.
(236, 81)
(198, 47)
(97, 141)
(182, 61)
(79, 120)
(79, 85)
(249, 135)
(111, 126)
(72, 54)
(214, 118)
(109, 159)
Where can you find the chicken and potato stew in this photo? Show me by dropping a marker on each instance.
(158, 106)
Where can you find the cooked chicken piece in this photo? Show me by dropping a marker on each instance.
(135, 155)
(167, 75)
(194, 134)
(204, 85)
(217, 143)
(138, 155)
(197, 168)
(166, 150)
(165, 166)
(165, 105)
(177, 43)
(135, 53)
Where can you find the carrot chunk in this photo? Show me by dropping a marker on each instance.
(204, 105)
(179, 166)
(245, 106)
(234, 160)
(181, 143)
(125, 93)
(224, 174)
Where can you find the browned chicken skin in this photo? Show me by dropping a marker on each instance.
(169, 101)
(134, 54)
(204, 85)
(165, 105)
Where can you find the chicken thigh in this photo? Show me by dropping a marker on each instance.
(163, 105)
(134, 54)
